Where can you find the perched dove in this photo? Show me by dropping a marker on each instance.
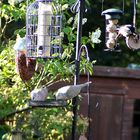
(39, 94)
(70, 91)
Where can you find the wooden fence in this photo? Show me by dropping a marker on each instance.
(112, 99)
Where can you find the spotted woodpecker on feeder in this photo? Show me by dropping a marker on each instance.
(126, 30)
(25, 67)
(131, 37)
(70, 91)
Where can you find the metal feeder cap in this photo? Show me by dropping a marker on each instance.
(112, 13)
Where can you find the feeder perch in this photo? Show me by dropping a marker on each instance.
(112, 17)
(48, 103)
(43, 29)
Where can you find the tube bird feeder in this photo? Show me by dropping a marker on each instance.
(43, 29)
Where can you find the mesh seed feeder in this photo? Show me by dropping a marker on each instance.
(43, 29)
(112, 17)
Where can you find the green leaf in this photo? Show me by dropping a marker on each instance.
(67, 30)
(95, 36)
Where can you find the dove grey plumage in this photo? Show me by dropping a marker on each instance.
(39, 94)
(70, 91)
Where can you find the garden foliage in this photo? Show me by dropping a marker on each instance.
(49, 124)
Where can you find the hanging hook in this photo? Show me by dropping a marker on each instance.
(84, 48)
(75, 7)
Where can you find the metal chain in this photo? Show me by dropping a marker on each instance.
(123, 6)
(102, 5)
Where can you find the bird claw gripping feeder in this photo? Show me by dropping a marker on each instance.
(43, 29)
(112, 17)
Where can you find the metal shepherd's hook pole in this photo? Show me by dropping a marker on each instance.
(79, 5)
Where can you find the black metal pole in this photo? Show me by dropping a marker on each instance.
(77, 65)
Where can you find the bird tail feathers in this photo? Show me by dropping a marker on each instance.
(86, 84)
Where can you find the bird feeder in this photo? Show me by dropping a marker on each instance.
(43, 29)
(112, 17)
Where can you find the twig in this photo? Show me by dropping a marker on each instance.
(52, 83)
(42, 74)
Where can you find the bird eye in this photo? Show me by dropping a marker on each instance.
(43, 86)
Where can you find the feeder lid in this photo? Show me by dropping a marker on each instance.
(112, 13)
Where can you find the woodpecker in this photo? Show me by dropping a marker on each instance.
(20, 44)
(25, 67)
(126, 30)
(70, 91)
